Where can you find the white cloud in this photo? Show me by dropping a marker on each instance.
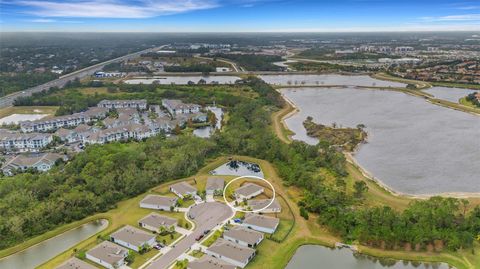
(113, 8)
(463, 17)
(43, 20)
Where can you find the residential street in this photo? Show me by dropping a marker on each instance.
(206, 217)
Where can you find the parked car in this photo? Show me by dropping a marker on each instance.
(206, 232)
(199, 237)
(237, 220)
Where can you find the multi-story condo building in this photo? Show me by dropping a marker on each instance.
(63, 121)
(138, 104)
(14, 141)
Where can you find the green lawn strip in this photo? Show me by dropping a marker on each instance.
(168, 238)
(456, 85)
(196, 253)
(143, 258)
(282, 230)
(212, 238)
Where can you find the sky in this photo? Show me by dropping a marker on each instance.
(239, 15)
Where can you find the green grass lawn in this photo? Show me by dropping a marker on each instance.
(196, 253)
(168, 238)
(212, 238)
(282, 230)
(141, 259)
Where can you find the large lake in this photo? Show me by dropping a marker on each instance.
(328, 79)
(318, 257)
(413, 146)
(449, 94)
(46, 250)
(182, 80)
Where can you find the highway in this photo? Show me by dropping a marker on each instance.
(7, 101)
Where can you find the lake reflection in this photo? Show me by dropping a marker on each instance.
(44, 251)
(318, 257)
(449, 94)
(328, 79)
(413, 146)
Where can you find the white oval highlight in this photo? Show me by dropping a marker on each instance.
(248, 211)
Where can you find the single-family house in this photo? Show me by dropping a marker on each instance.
(214, 185)
(108, 254)
(133, 238)
(41, 162)
(74, 263)
(261, 223)
(243, 236)
(248, 191)
(153, 201)
(182, 189)
(208, 262)
(230, 252)
(156, 222)
(265, 205)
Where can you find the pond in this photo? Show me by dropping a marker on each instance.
(238, 168)
(328, 79)
(449, 94)
(182, 80)
(318, 257)
(16, 118)
(46, 250)
(413, 146)
(207, 131)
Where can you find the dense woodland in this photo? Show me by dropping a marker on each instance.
(14, 82)
(254, 62)
(96, 179)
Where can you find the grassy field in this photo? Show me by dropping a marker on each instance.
(456, 85)
(127, 212)
(4, 112)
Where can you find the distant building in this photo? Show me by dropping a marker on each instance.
(404, 49)
(121, 133)
(101, 74)
(40, 162)
(133, 238)
(137, 104)
(108, 254)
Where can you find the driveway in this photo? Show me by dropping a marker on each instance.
(206, 216)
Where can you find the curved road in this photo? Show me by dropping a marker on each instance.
(7, 101)
(206, 217)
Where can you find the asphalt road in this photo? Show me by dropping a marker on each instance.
(206, 216)
(7, 101)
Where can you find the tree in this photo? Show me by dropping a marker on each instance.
(360, 187)
(130, 257)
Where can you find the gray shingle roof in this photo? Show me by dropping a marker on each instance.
(159, 200)
(108, 252)
(183, 188)
(248, 189)
(215, 184)
(261, 221)
(132, 235)
(261, 203)
(157, 220)
(231, 250)
(244, 234)
(74, 263)
(207, 262)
